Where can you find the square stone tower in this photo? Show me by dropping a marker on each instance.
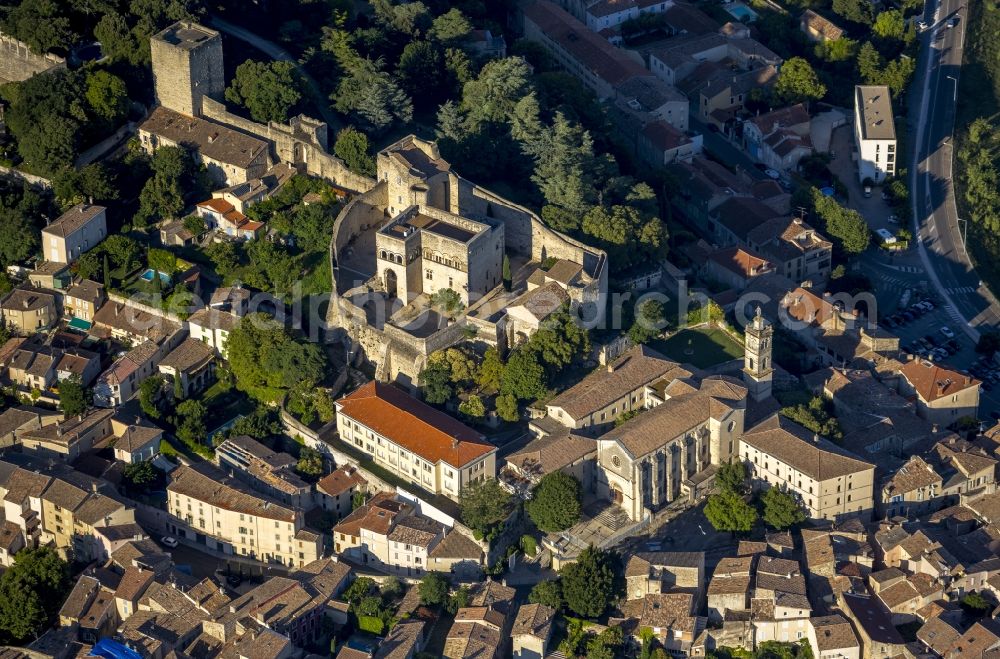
(187, 66)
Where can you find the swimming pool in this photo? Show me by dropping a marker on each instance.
(150, 273)
(741, 12)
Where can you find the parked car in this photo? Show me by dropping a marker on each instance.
(953, 21)
(772, 173)
(947, 332)
(168, 541)
(868, 192)
(922, 25)
(893, 219)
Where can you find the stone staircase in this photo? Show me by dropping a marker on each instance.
(613, 517)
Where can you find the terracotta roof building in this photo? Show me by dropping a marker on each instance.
(413, 440)
(942, 395)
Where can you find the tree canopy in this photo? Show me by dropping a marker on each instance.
(268, 90)
(485, 505)
(728, 511)
(797, 82)
(555, 502)
(590, 584)
(74, 398)
(267, 361)
(781, 509)
(31, 592)
(846, 226)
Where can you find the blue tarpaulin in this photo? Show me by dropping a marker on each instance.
(110, 649)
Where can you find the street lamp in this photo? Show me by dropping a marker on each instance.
(954, 96)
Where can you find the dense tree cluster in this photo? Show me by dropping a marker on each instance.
(485, 506)
(592, 583)
(21, 213)
(555, 502)
(268, 90)
(816, 416)
(31, 592)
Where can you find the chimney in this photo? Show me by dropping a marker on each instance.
(93, 487)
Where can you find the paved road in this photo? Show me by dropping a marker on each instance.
(274, 51)
(941, 246)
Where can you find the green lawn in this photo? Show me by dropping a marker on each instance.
(709, 347)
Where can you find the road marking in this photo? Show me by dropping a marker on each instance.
(905, 268)
(963, 289)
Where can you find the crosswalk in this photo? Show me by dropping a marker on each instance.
(953, 313)
(961, 289)
(906, 268)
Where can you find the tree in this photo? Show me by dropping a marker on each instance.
(266, 361)
(555, 502)
(797, 82)
(31, 593)
(163, 194)
(589, 585)
(523, 376)
(352, 147)
(817, 417)
(490, 371)
(310, 462)
(42, 24)
(422, 73)
(548, 593)
(447, 301)
(94, 181)
(975, 602)
(107, 95)
(435, 382)
(566, 168)
(189, 421)
(358, 590)
(269, 90)
(485, 505)
(732, 476)
(433, 589)
(473, 407)
(73, 396)
(727, 511)
(140, 475)
(845, 225)
(870, 64)
(263, 423)
(459, 599)
(372, 97)
(152, 398)
(781, 509)
(890, 24)
(451, 27)
(125, 252)
(859, 11)
(495, 93)
(507, 408)
(117, 41)
(649, 322)
(605, 644)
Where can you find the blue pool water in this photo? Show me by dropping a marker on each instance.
(150, 273)
(742, 13)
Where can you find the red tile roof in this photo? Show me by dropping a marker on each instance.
(933, 381)
(416, 426)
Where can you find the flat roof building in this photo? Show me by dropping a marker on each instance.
(874, 132)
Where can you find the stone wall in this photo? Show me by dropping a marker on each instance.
(18, 63)
(36, 181)
(302, 143)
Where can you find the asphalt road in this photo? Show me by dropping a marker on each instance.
(936, 221)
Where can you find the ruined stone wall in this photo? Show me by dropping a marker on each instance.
(18, 63)
(303, 148)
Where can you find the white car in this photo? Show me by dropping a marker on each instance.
(886, 237)
(169, 541)
(947, 332)
(893, 219)
(772, 173)
(922, 25)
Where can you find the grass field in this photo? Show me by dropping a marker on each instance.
(709, 346)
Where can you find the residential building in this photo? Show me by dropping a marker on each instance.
(832, 637)
(390, 535)
(671, 618)
(779, 139)
(912, 491)
(625, 385)
(413, 440)
(683, 56)
(646, 99)
(404, 640)
(212, 326)
(335, 491)
(730, 587)
(942, 395)
(51, 275)
(74, 232)
(567, 452)
(132, 324)
(830, 482)
(68, 439)
(481, 629)
(34, 365)
(526, 313)
(717, 95)
(134, 440)
(532, 631)
(735, 267)
(244, 195)
(660, 144)
(89, 609)
(230, 156)
(221, 215)
(83, 299)
(663, 572)
(28, 310)
(587, 56)
(605, 14)
(264, 470)
(20, 418)
(873, 625)
(874, 133)
(122, 379)
(208, 508)
(193, 363)
(819, 28)
(798, 251)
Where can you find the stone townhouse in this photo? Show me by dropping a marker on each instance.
(133, 324)
(567, 452)
(230, 156)
(779, 138)
(670, 616)
(68, 439)
(27, 311)
(269, 472)
(209, 509)
(89, 609)
(937, 635)
(627, 384)
(482, 629)
(904, 595)
(819, 28)
(912, 491)
(121, 381)
(942, 395)
(33, 365)
(391, 535)
(74, 232)
(73, 507)
(193, 363)
(779, 606)
(717, 95)
(335, 491)
(212, 326)
(830, 482)
(735, 267)
(413, 440)
(660, 572)
(797, 250)
(832, 637)
(729, 589)
(82, 300)
(532, 631)
(685, 55)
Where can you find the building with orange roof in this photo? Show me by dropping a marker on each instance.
(221, 215)
(413, 440)
(942, 395)
(335, 491)
(735, 266)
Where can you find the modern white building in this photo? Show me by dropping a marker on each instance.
(874, 133)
